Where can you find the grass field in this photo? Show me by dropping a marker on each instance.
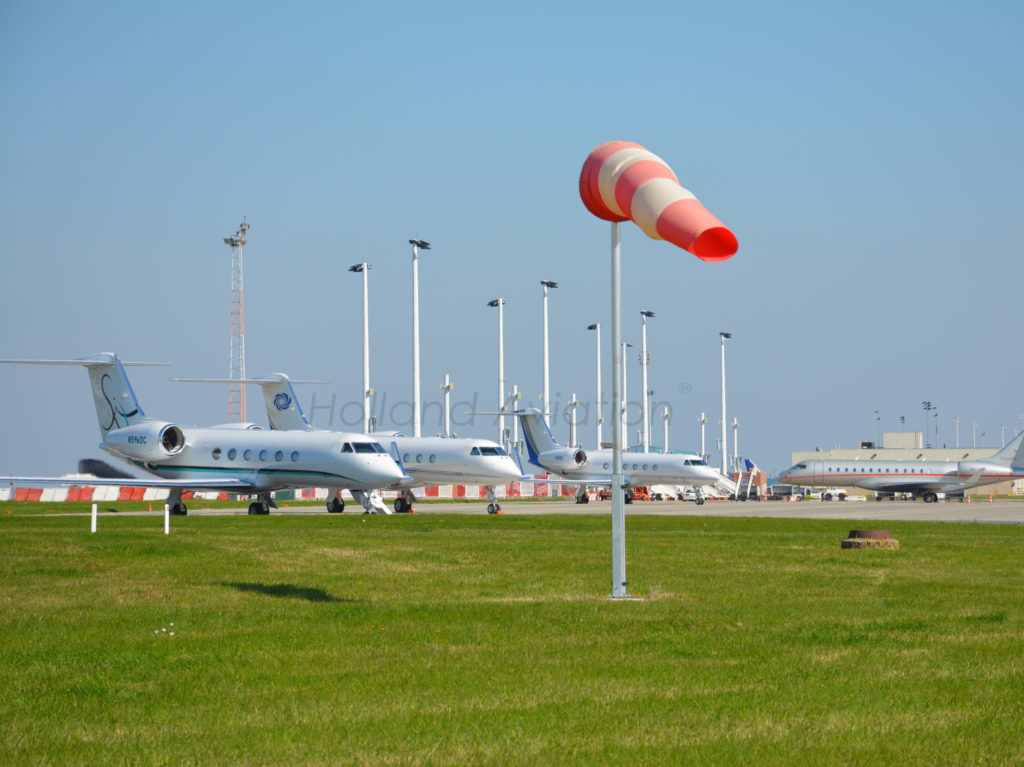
(474, 639)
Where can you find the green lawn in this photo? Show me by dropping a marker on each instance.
(476, 639)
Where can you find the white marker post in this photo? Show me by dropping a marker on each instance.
(167, 519)
(94, 517)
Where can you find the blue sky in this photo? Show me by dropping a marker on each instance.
(867, 156)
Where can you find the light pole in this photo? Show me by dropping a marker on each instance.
(644, 314)
(500, 303)
(702, 421)
(573, 403)
(447, 387)
(514, 397)
(956, 425)
(624, 404)
(725, 447)
(666, 415)
(974, 434)
(735, 444)
(927, 408)
(547, 394)
(417, 246)
(600, 419)
(364, 269)
(878, 428)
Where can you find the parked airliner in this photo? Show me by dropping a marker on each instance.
(425, 460)
(920, 478)
(240, 458)
(579, 467)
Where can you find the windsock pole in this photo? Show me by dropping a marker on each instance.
(618, 494)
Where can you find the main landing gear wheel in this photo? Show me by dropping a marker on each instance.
(179, 509)
(629, 496)
(335, 506)
(930, 498)
(493, 508)
(699, 500)
(258, 508)
(402, 505)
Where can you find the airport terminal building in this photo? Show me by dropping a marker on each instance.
(908, 446)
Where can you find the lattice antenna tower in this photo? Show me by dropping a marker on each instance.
(236, 391)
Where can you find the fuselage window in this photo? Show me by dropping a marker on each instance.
(433, 458)
(645, 467)
(216, 454)
(263, 455)
(406, 458)
(279, 455)
(606, 467)
(295, 455)
(232, 454)
(654, 467)
(419, 457)
(247, 455)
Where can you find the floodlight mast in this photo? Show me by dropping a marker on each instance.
(619, 583)
(364, 269)
(600, 419)
(500, 303)
(725, 450)
(547, 393)
(236, 391)
(417, 246)
(644, 361)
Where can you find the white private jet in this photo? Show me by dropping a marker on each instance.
(240, 458)
(585, 469)
(425, 460)
(920, 478)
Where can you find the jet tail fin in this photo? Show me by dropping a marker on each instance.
(283, 409)
(1012, 455)
(116, 403)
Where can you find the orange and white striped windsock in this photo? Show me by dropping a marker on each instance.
(621, 180)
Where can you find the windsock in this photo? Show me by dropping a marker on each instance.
(621, 180)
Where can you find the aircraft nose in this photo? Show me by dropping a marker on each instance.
(384, 469)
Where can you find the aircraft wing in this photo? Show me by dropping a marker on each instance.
(227, 483)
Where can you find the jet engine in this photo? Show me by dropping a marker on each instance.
(151, 441)
(565, 460)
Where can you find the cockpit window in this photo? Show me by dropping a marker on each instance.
(492, 451)
(367, 447)
(801, 465)
(475, 451)
(346, 448)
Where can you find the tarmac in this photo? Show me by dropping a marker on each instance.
(996, 512)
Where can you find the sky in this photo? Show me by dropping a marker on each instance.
(867, 155)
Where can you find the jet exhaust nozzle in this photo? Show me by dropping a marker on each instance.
(621, 180)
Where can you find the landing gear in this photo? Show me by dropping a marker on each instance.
(582, 496)
(930, 498)
(262, 505)
(258, 508)
(335, 505)
(493, 507)
(174, 502)
(698, 496)
(404, 502)
(628, 495)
